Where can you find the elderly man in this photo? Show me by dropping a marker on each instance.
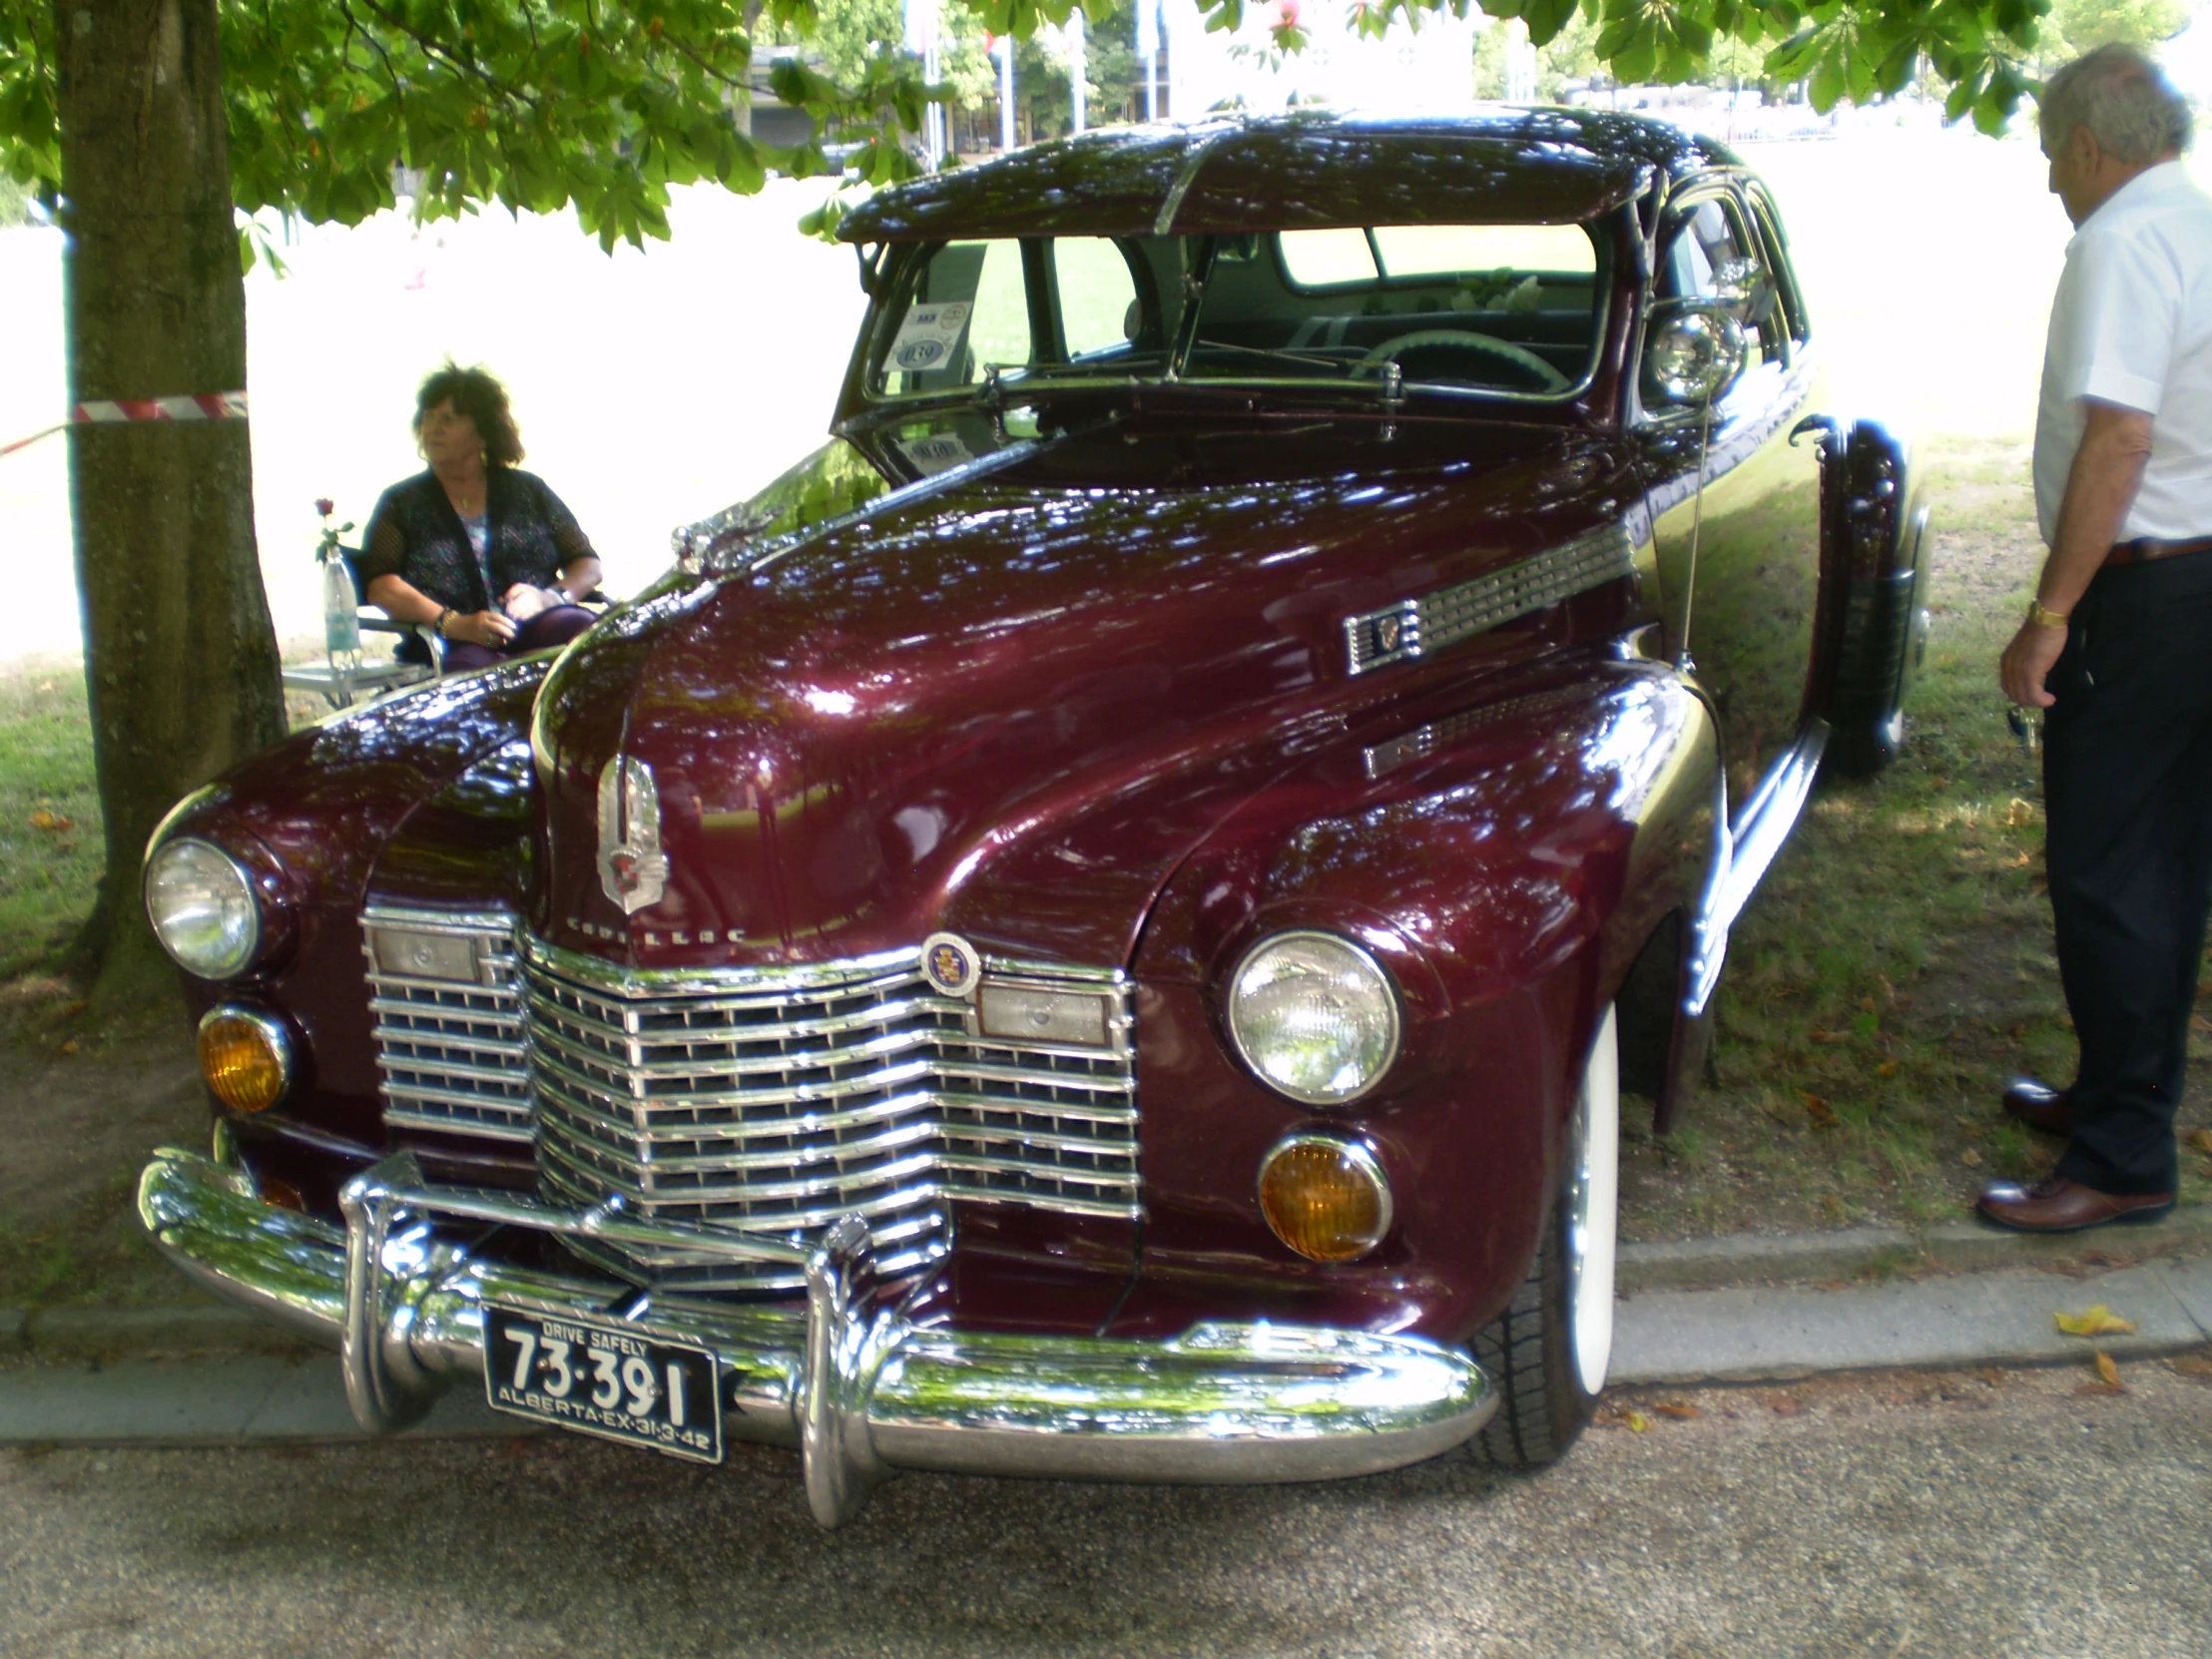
(2117, 645)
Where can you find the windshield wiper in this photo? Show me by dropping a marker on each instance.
(1274, 353)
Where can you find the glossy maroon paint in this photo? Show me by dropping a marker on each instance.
(1095, 708)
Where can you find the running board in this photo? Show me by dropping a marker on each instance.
(1753, 838)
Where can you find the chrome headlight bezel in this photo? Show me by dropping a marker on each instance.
(221, 946)
(1324, 954)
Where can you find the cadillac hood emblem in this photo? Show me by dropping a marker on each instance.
(633, 872)
(950, 964)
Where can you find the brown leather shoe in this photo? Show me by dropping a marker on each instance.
(2057, 1205)
(2039, 1106)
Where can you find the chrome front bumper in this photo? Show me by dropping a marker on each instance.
(854, 1388)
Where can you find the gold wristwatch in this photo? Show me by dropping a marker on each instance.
(2040, 617)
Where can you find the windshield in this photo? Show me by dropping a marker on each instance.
(1511, 311)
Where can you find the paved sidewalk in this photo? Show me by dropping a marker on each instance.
(1666, 1336)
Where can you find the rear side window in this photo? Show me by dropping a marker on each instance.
(1098, 296)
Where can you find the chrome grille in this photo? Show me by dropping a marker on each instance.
(448, 1008)
(776, 1100)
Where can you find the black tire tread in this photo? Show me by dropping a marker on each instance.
(1528, 1431)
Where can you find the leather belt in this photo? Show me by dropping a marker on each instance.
(2147, 548)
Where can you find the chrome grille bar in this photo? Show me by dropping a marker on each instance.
(446, 1004)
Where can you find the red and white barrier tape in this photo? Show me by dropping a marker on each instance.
(102, 411)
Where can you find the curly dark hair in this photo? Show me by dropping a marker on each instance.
(480, 397)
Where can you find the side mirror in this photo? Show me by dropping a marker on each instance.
(1693, 352)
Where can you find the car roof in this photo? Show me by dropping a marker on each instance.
(1308, 169)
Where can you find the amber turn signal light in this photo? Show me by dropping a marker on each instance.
(1326, 1198)
(245, 1058)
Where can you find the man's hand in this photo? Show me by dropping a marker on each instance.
(2027, 662)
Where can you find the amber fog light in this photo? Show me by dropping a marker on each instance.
(245, 1058)
(1326, 1198)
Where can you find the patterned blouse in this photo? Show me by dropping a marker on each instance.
(416, 535)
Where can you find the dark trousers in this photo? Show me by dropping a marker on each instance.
(2127, 782)
(541, 632)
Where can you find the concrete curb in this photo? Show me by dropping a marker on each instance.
(1738, 1261)
(1862, 1252)
(1779, 1333)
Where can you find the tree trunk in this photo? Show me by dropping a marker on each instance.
(180, 655)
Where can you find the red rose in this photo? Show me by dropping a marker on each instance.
(325, 505)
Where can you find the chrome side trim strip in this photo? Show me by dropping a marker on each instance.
(1416, 627)
(848, 1382)
(1755, 835)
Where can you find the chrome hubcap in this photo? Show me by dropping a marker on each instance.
(1593, 1211)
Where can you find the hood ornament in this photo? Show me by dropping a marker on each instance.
(633, 872)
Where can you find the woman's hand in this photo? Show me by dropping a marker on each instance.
(522, 601)
(480, 628)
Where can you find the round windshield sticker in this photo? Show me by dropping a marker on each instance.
(950, 964)
(920, 354)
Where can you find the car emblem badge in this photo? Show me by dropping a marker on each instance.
(950, 964)
(1388, 631)
(632, 869)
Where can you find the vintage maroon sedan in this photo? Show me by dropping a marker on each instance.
(1099, 925)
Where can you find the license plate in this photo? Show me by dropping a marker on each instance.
(603, 1379)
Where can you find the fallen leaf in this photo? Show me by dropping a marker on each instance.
(1889, 991)
(2096, 1321)
(1819, 1110)
(2107, 1371)
(2197, 1367)
(2018, 813)
(52, 822)
(1971, 1158)
(2101, 1388)
(1866, 1004)
(1679, 1409)
(1637, 1423)
(1991, 1376)
(1888, 1068)
(1784, 1405)
(2201, 1139)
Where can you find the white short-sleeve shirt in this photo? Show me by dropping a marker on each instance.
(2132, 324)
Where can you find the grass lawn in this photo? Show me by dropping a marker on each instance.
(1897, 966)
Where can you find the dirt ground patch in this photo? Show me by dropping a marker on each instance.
(82, 1114)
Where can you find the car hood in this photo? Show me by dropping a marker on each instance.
(1006, 707)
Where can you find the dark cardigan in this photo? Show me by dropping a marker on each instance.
(416, 535)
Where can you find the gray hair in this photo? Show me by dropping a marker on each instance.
(2124, 99)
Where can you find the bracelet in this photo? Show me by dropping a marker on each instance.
(2040, 617)
(444, 616)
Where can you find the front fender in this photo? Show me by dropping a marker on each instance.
(1508, 859)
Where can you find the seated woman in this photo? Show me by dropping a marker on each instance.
(476, 547)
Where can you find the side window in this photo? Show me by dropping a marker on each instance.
(1705, 241)
(1788, 296)
(1713, 254)
(1099, 310)
(966, 307)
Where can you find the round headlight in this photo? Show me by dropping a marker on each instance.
(1326, 1198)
(245, 1057)
(202, 910)
(1314, 1017)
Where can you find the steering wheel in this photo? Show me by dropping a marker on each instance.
(1547, 377)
